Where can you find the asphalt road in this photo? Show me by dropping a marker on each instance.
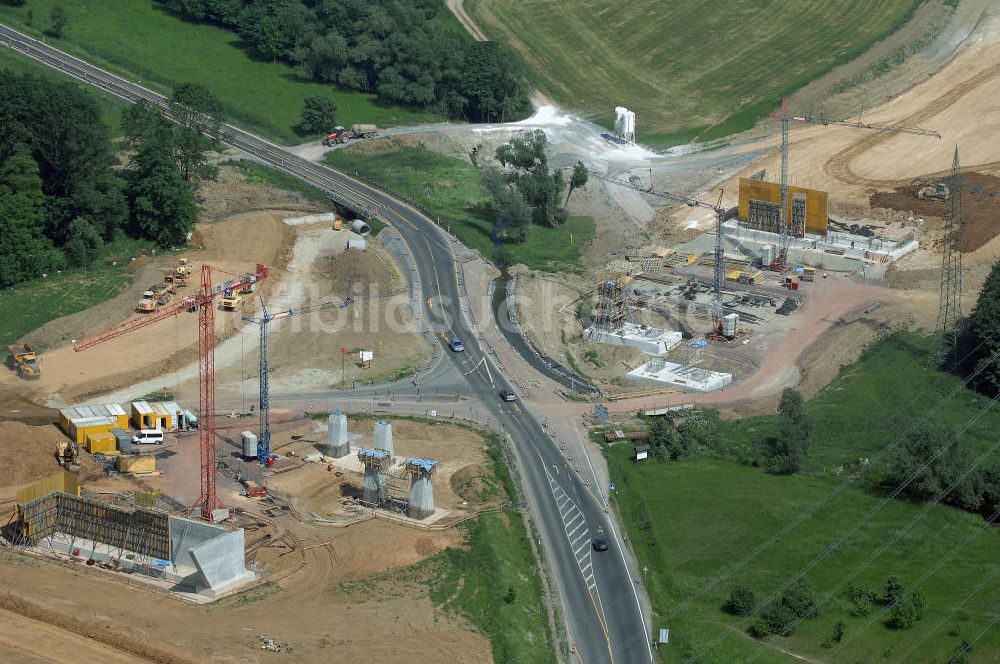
(599, 590)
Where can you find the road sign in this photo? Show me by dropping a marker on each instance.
(613, 486)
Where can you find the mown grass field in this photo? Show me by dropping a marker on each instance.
(691, 70)
(257, 173)
(30, 305)
(871, 403)
(142, 41)
(452, 190)
(690, 521)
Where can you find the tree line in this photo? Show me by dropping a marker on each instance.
(64, 196)
(401, 50)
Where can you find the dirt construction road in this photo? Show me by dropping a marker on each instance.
(49, 643)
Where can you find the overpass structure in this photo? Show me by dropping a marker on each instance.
(599, 591)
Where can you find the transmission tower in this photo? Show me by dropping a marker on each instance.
(945, 349)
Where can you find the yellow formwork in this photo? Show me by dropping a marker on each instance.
(62, 482)
(817, 213)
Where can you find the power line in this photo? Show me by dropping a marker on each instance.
(844, 536)
(982, 582)
(802, 516)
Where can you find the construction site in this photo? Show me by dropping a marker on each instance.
(182, 450)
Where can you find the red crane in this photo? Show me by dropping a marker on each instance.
(203, 302)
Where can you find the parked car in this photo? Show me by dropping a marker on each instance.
(507, 395)
(456, 345)
(148, 437)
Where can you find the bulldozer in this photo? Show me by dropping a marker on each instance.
(23, 359)
(68, 455)
(934, 192)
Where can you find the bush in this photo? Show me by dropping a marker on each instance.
(742, 601)
(863, 599)
(907, 611)
(780, 619)
(800, 600)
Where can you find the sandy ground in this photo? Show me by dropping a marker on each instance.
(344, 601)
(316, 489)
(309, 267)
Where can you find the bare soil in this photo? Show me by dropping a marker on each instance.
(979, 208)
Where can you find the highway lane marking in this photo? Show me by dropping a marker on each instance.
(575, 531)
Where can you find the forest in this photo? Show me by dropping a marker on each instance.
(65, 197)
(404, 51)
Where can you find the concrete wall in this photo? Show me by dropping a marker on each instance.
(186, 534)
(220, 561)
(421, 497)
(336, 435)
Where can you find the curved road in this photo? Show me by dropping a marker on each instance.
(598, 590)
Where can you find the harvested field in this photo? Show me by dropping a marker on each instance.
(979, 209)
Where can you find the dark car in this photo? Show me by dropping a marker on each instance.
(507, 395)
(600, 544)
(456, 346)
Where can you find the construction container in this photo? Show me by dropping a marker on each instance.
(78, 428)
(162, 416)
(249, 445)
(123, 439)
(729, 324)
(808, 274)
(103, 442)
(137, 464)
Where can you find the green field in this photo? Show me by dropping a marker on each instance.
(257, 173)
(144, 42)
(872, 402)
(30, 305)
(452, 190)
(690, 521)
(691, 70)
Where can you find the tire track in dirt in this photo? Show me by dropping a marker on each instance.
(839, 165)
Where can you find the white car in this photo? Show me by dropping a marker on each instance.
(148, 437)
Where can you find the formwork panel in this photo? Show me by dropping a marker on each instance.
(817, 210)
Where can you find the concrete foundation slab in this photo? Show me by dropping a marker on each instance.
(649, 340)
(690, 378)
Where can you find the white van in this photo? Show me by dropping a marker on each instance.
(148, 437)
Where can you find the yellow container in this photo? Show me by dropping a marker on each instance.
(102, 441)
(136, 464)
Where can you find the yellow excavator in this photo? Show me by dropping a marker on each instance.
(68, 455)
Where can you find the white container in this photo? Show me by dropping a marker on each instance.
(729, 323)
(249, 445)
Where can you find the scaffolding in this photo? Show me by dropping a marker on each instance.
(611, 310)
(143, 532)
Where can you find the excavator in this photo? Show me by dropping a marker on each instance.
(68, 455)
(934, 192)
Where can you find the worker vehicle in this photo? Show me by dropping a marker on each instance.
(934, 192)
(183, 268)
(234, 289)
(23, 359)
(364, 131)
(68, 455)
(456, 345)
(146, 303)
(338, 135)
(338, 224)
(507, 395)
(148, 437)
(173, 282)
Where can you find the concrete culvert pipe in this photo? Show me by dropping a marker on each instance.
(360, 227)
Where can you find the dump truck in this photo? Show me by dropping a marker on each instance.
(364, 131)
(146, 303)
(338, 135)
(23, 359)
(173, 282)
